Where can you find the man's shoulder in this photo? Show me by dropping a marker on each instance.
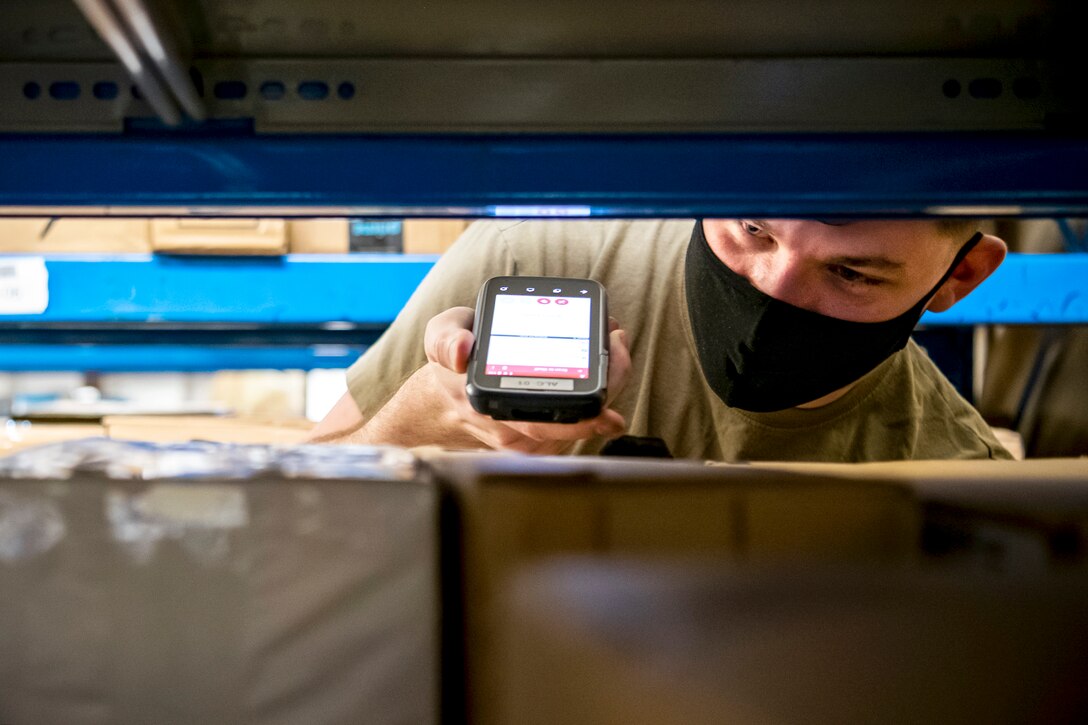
(579, 247)
(927, 377)
(947, 419)
(648, 230)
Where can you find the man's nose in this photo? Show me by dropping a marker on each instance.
(782, 276)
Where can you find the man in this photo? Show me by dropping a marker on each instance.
(743, 340)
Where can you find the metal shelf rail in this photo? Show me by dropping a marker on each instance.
(154, 312)
(733, 175)
(160, 313)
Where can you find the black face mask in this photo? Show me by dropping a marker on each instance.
(761, 354)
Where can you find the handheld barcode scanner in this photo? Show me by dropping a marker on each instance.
(541, 350)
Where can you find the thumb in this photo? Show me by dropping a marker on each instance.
(448, 340)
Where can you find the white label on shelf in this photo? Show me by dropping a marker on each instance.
(24, 286)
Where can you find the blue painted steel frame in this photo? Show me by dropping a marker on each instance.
(369, 290)
(338, 297)
(628, 175)
(276, 299)
(1031, 289)
(363, 289)
(497, 175)
(172, 358)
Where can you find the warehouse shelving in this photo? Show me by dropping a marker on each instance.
(143, 357)
(487, 108)
(275, 109)
(158, 312)
(295, 289)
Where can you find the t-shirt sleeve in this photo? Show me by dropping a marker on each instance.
(479, 254)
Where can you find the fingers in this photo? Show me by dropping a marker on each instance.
(448, 341)
(608, 423)
(448, 338)
(619, 363)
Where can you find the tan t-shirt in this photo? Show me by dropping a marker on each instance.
(904, 409)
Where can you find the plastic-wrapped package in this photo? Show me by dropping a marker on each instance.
(217, 583)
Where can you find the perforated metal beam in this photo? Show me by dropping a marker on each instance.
(629, 95)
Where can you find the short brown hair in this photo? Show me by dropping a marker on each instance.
(957, 228)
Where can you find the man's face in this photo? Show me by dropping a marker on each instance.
(864, 271)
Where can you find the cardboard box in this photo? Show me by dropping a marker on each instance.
(318, 236)
(331, 236)
(204, 598)
(511, 512)
(431, 236)
(219, 429)
(185, 235)
(17, 435)
(261, 394)
(41, 235)
(1013, 516)
(596, 641)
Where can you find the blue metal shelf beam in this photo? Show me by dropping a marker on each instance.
(1030, 289)
(171, 358)
(272, 313)
(320, 290)
(877, 174)
(333, 292)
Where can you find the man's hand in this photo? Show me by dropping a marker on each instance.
(432, 406)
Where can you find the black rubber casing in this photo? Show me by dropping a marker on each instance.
(588, 397)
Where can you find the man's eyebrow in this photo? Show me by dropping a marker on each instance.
(868, 262)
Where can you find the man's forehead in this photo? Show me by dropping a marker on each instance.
(879, 233)
(885, 244)
(907, 226)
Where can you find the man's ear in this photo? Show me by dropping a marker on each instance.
(979, 264)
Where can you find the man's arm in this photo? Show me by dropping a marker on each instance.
(408, 419)
(480, 253)
(343, 420)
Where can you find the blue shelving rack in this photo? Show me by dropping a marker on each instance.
(879, 115)
(156, 312)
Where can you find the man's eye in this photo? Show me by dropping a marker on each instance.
(852, 275)
(754, 229)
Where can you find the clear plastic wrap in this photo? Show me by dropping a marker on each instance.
(206, 582)
(129, 460)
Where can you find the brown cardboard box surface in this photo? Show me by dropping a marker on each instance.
(331, 236)
(1018, 517)
(46, 235)
(588, 640)
(431, 236)
(515, 511)
(318, 236)
(20, 436)
(268, 395)
(179, 429)
(183, 235)
(1036, 486)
